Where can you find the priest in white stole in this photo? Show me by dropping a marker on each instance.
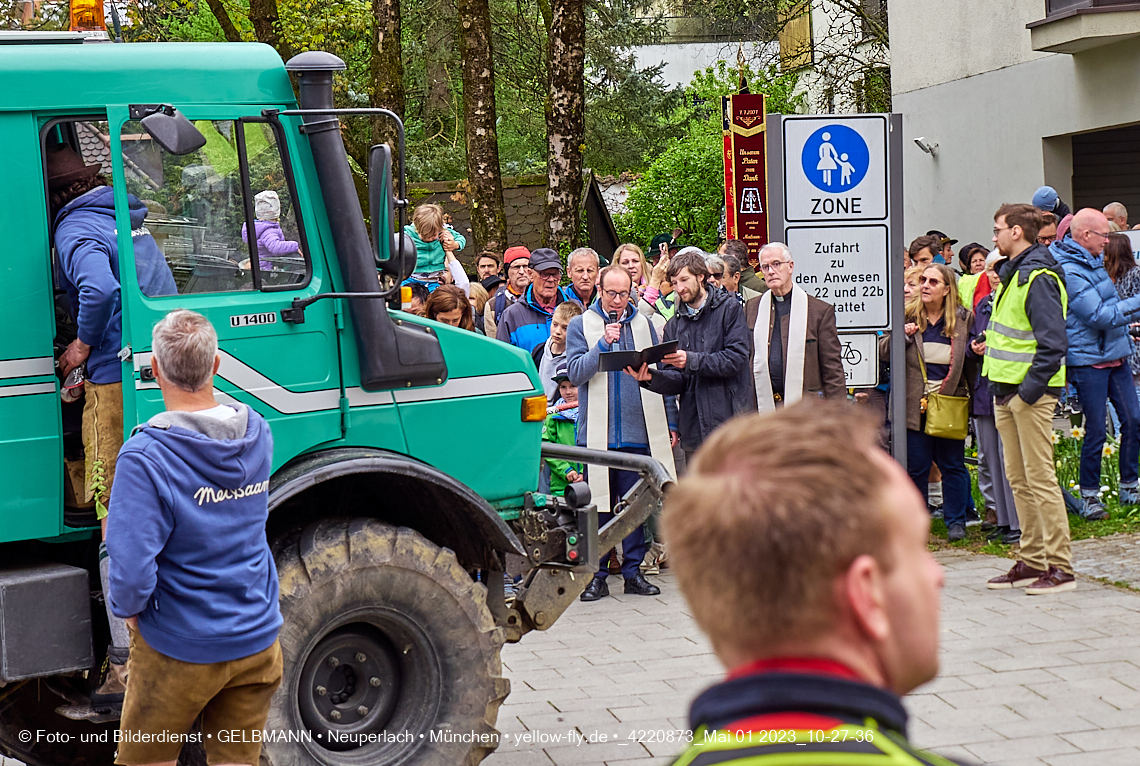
(795, 349)
(615, 414)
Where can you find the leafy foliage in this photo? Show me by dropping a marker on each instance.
(684, 187)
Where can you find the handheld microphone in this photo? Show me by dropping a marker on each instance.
(613, 317)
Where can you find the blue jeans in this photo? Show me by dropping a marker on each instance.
(921, 452)
(634, 546)
(1095, 388)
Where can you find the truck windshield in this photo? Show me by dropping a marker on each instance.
(194, 208)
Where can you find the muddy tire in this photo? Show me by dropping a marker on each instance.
(391, 655)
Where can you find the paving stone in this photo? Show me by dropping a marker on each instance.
(1023, 747)
(1120, 757)
(1033, 681)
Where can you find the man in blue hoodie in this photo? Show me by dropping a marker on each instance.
(86, 241)
(1097, 326)
(191, 569)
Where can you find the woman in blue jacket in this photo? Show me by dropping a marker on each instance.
(1099, 345)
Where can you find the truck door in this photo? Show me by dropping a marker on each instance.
(196, 209)
(31, 445)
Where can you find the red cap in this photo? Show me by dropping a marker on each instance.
(514, 253)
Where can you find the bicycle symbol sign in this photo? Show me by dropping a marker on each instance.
(851, 356)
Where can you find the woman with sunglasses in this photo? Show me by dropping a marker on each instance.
(937, 327)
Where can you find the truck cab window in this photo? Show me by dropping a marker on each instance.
(195, 208)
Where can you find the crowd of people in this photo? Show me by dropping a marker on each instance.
(731, 343)
(1043, 317)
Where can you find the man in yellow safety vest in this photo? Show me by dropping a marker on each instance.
(1025, 352)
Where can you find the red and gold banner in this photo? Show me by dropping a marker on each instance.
(746, 171)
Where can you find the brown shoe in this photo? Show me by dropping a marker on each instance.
(990, 521)
(1055, 581)
(1019, 576)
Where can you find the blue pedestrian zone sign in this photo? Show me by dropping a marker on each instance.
(835, 159)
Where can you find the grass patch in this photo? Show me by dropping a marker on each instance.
(1066, 453)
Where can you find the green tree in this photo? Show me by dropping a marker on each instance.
(684, 187)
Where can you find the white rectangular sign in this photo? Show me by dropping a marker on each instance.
(845, 266)
(835, 168)
(860, 353)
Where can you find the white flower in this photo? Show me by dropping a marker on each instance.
(1078, 432)
(1057, 437)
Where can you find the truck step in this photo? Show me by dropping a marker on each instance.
(86, 713)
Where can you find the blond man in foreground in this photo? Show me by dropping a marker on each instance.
(824, 603)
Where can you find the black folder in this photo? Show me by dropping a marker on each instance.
(616, 361)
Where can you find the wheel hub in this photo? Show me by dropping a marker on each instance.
(350, 685)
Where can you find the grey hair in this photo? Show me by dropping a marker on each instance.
(715, 263)
(1113, 209)
(184, 344)
(732, 264)
(692, 249)
(588, 251)
(784, 251)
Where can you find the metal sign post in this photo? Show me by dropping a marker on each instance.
(837, 205)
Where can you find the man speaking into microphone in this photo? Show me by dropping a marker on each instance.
(615, 414)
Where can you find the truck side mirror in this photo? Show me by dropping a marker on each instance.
(171, 130)
(400, 259)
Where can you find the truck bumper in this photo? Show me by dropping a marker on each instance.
(549, 590)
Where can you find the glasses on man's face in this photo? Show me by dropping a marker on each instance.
(517, 265)
(1104, 234)
(999, 229)
(548, 276)
(613, 295)
(1048, 240)
(767, 267)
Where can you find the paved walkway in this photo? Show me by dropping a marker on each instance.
(1047, 681)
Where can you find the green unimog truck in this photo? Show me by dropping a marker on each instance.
(406, 452)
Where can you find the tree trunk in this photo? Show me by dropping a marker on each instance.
(440, 56)
(223, 17)
(488, 219)
(266, 27)
(387, 73)
(565, 121)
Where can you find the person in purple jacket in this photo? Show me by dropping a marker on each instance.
(87, 264)
(271, 240)
(191, 569)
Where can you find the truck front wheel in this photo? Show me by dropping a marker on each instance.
(390, 652)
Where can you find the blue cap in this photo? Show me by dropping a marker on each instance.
(1045, 198)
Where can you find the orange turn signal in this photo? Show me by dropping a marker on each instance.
(534, 409)
(405, 297)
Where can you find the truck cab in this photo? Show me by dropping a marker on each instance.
(406, 452)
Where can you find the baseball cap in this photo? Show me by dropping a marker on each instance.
(1045, 198)
(491, 282)
(562, 373)
(994, 258)
(662, 239)
(544, 258)
(514, 253)
(943, 239)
